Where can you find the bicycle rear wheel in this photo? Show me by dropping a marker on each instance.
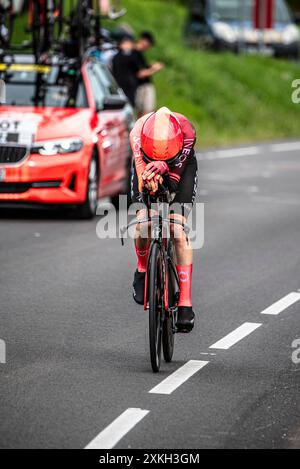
(168, 334)
(155, 295)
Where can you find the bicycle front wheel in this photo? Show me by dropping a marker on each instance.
(155, 295)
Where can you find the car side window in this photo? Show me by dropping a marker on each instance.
(81, 98)
(96, 85)
(106, 79)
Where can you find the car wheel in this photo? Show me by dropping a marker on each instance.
(88, 209)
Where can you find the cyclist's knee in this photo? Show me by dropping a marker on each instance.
(177, 231)
(178, 236)
(143, 230)
(141, 214)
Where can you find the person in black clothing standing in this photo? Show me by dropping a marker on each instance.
(146, 95)
(125, 67)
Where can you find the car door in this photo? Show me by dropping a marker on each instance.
(112, 129)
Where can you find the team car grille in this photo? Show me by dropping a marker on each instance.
(12, 154)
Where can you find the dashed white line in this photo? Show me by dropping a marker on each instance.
(276, 200)
(236, 152)
(168, 385)
(248, 151)
(282, 304)
(112, 434)
(236, 335)
(291, 146)
(230, 153)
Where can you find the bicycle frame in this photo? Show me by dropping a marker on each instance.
(158, 222)
(165, 244)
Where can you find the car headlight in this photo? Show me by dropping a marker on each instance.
(58, 147)
(224, 31)
(290, 34)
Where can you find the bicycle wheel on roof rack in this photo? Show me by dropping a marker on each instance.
(86, 16)
(7, 16)
(46, 25)
(54, 22)
(59, 18)
(38, 29)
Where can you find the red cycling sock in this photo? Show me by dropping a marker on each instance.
(142, 257)
(185, 284)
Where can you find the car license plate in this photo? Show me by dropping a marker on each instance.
(2, 174)
(18, 131)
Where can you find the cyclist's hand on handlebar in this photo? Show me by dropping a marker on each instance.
(155, 168)
(152, 185)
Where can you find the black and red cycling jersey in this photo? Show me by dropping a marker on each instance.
(176, 168)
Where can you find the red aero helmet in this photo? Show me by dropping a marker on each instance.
(162, 137)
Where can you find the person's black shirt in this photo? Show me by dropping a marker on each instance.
(142, 64)
(125, 68)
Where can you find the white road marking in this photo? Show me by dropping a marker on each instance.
(252, 189)
(229, 153)
(236, 335)
(275, 200)
(112, 434)
(168, 385)
(292, 146)
(282, 304)
(247, 151)
(236, 152)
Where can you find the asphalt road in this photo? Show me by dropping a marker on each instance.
(77, 346)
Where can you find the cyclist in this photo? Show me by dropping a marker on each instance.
(163, 149)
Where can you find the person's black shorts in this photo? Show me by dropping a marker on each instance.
(185, 194)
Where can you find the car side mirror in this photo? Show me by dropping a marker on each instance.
(114, 102)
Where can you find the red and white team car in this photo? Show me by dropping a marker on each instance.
(64, 134)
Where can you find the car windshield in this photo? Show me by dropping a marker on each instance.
(42, 86)
(237, 10)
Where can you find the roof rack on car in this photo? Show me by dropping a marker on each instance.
(10, 59)
(56, 31)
